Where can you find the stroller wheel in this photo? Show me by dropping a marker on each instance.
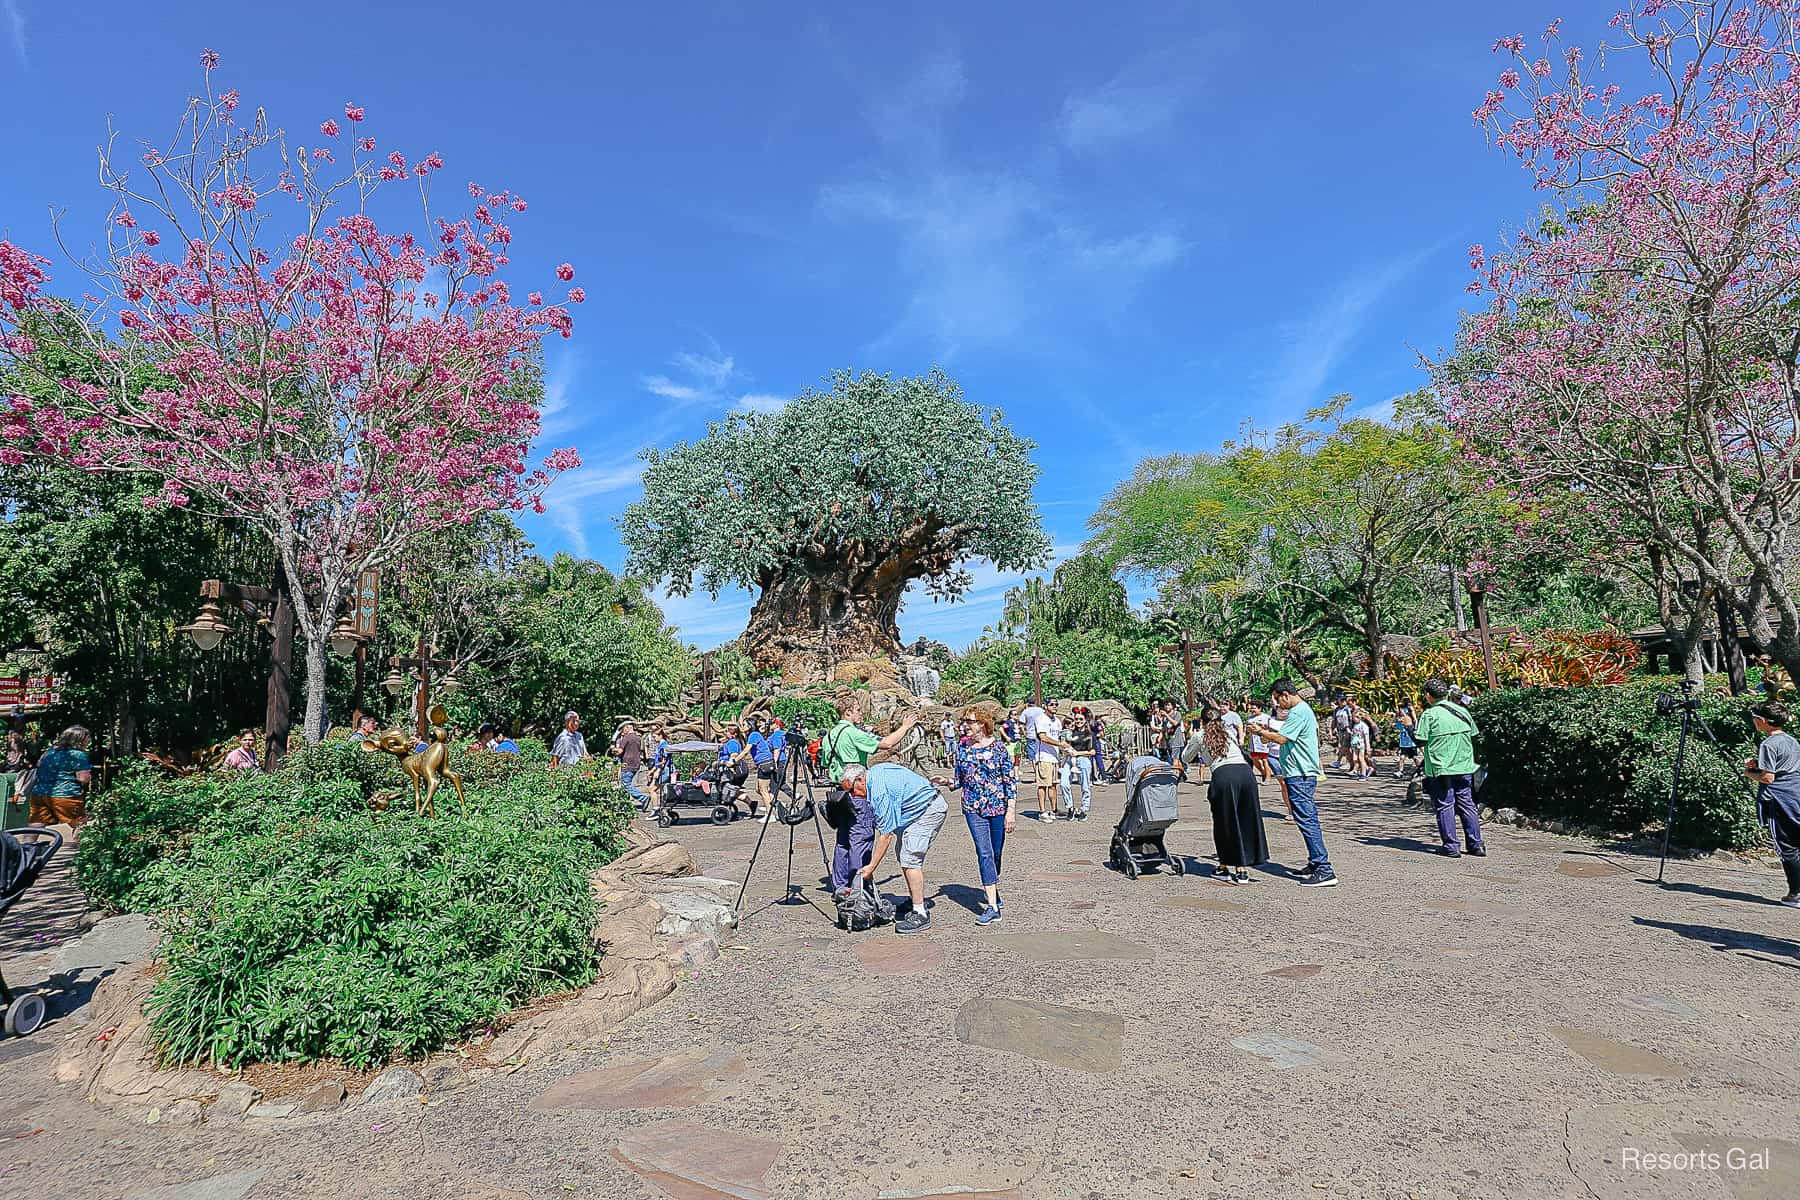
(1176, 865)
(24, 1014)
(722, 815)
(665, 817)
(1131, 867)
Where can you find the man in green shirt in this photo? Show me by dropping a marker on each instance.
(847, 742)
(1447, 732)
(1298, 764)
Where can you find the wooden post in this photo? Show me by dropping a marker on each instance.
(422, 664)
(1187, 645)
(1037, 663)
(707, 674)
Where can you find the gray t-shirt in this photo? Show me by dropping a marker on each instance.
(570, 748)
(1779, 755)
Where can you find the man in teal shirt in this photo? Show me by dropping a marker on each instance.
(908, 811)
(1298, 737)
(1447, 733)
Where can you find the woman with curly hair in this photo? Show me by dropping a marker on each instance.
(1238, 837)
(990, 798)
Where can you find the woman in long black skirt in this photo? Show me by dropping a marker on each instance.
(1236, 809)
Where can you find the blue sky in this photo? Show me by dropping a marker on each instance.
(1130, 226)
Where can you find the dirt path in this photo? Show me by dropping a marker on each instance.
(1526, 1025)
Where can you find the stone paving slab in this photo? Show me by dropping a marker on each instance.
(1079, 1039)
(698, 1162)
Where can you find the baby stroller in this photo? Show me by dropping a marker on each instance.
(713, 789)
(1150, 808)
(20, 865)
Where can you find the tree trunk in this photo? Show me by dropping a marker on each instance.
(1456, 607)
(803, 625)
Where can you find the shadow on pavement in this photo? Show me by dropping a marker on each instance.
(1756, 945)
(1401, 843)
(1698, 889)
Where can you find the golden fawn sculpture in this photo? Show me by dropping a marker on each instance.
(428, 767)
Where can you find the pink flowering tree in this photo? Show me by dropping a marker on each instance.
(341, 389)
(1638, 347)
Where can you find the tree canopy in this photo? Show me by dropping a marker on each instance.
(832, 505)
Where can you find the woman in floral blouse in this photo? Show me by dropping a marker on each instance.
(984, 772)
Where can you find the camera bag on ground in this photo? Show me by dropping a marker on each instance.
(863, 909)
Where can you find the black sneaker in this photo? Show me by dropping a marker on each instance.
(1323, 877)
(1449, 852)
(1477, 851)
(1307, 872)
(915, 920)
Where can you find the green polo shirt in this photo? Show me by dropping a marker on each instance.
(847, 744)
(1447, 732)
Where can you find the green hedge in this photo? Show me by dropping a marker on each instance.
(1602, 757)
(300, 925)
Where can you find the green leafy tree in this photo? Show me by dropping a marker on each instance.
(1341, 512)
(832, 506)
(1081, 594)
(572, 635)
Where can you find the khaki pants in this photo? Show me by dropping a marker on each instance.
(58, 810)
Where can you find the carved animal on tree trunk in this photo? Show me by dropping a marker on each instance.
(427, 767)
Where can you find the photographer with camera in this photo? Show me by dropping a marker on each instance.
(1776, 770)
(847, 813)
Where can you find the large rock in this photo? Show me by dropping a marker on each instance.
(686, 913)
(395, 1083)
(623, 989)
(121, 1065)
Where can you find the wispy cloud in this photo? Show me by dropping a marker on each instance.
(15, 24)
(568, 502)
(668, 389)
(1316, 344)
(762, 402)
(993, 250)
(1143, 98)
(703, 621)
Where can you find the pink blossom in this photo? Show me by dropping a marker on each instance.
(565, 272)
(1509, 79)
(329, 128)
(353, 112)
(366, 145)
(577, 295)
(150, 237)
(230, 100)
(126, 220)
(209, 59)
(535, 298)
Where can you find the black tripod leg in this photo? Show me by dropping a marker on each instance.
(739, 906)
(1674, 791)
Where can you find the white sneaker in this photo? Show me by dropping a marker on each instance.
(1048, 816)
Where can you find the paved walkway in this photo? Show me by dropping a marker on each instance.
(1526, 1025)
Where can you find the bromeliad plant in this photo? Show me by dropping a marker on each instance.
(273, 355)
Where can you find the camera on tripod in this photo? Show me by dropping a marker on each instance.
(1668, 704)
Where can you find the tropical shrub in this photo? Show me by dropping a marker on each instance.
(300, 924)
(1601, 756)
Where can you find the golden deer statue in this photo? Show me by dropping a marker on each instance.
(427, 767)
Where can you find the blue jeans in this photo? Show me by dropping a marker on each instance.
(625, 781)
(1300, 789)
(990, 839)
(1078, 771)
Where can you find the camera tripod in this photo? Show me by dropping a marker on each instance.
(792, 812)
(1689, 704)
